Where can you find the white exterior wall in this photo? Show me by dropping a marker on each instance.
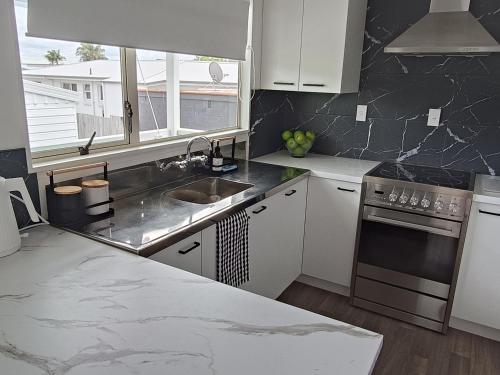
(51, 115)
(113, 99)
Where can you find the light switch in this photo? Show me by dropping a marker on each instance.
(434, 117)
(361, 113)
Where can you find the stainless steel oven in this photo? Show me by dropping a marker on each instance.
(408, 250)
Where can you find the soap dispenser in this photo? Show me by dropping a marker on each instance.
(10, 240)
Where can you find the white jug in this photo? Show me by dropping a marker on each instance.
(10, 240)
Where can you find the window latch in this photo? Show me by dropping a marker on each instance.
(129, 113)
(85, 150)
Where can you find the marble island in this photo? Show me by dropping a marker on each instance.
(70, 305)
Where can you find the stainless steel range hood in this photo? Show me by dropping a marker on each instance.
(448, 29)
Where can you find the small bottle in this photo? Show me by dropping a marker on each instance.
(217, 160)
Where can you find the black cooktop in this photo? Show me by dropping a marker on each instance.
(424, 175)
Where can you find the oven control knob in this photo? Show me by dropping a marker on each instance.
(414, 199)
(438, 205)
(426, 202)
(453, 208)
(393, 197)
(403, 199)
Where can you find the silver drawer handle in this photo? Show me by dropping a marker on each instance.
(184, 252)
(405, 224)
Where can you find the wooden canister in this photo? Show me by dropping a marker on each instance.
(96, 192)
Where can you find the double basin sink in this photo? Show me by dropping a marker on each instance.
(209, 190)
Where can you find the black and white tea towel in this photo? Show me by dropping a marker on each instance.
(232, 249)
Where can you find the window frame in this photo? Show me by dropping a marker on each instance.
(70, 151)
(173, 103)
(89, 92)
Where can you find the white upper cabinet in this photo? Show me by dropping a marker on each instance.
(281, 40)
(323, 56)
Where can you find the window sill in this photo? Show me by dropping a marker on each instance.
(121, 157)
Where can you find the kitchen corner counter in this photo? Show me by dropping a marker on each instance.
(332, 167)
(70, 305)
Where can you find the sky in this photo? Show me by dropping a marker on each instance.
(33, 50)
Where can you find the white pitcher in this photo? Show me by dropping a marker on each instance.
(10, 240)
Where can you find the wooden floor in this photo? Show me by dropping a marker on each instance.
(407, 349)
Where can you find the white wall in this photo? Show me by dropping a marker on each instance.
(12, 114)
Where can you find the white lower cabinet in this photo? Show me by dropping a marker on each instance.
(477, 297)
(185, 254)
(330, 234)
(275, 241)
(275, 244)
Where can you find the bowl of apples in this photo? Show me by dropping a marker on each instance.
(298, 142)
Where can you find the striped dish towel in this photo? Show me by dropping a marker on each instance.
(232, 249)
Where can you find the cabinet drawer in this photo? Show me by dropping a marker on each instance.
(185, 254)
(404, 300)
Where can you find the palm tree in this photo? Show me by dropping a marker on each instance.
(54, 57)
(90, 52)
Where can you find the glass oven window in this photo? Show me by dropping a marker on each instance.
(408, 251)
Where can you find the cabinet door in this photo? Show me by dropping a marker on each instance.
(291, 207)
(476, 297)
(262, 241)
(185, 254)
(330, 234)
(323, 44)
(281, 40)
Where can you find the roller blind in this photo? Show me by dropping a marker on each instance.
(198, 27)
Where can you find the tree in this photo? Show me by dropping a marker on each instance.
(90, 52)
(54, 57)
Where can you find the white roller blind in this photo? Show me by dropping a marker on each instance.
(198, 27)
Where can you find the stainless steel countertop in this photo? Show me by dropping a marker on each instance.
(149, 221)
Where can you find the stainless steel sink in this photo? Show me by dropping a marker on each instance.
(209, 190)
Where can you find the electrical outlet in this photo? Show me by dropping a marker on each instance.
(361, 113)
(434, 117)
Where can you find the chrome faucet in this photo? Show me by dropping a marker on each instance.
(189, 160)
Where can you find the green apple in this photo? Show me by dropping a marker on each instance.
(310, 135)
(299, 137)
(291, 144)
(298, 152)
(286, 135)
(307, 145)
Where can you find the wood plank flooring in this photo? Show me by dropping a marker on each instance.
(407, 350)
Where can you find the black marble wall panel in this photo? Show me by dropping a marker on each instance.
(399, 91)
(13, 164)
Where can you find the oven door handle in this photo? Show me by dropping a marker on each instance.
(405, 224)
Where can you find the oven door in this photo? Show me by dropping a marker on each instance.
(413, 251)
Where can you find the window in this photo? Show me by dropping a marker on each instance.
(182, 95)
(70, 86)
(60, 119)
(177, 95)
(87, 91)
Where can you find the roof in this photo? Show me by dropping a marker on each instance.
(50, 91)
(150, 71)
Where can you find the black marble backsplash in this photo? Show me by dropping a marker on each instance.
(13, 164)
(399, 91)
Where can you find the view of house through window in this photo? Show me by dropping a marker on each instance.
(180, 95)
(75, 89)
(61, 89)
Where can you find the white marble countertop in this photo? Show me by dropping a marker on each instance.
(69, 305)
(343, 169)
(487, 189)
